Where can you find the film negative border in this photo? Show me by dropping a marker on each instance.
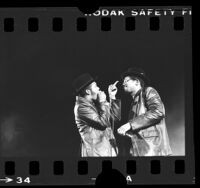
(81, 24)
(47, 171)
(32, 24)
(58, 167)
(174, 170)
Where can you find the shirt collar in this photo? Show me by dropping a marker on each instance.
(137, 96)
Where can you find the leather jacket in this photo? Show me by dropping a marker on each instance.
(148, 129)
(94, 125)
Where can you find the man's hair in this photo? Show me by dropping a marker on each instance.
(83, 92)
(142, 83)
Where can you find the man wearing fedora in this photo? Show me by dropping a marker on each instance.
(94, 117)
(146, 125)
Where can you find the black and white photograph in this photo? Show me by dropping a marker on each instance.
(95, 91)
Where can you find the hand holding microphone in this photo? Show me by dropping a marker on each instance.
(101, 96)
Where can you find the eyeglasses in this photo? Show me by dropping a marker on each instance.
(125, 81)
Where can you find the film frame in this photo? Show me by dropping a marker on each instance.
(85, 169)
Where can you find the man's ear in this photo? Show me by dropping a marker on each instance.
(137, 81)
(88, 91)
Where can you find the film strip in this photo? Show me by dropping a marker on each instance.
(32, 24)
(31, 171)
(44, 49)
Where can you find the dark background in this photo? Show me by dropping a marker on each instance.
(37, 69)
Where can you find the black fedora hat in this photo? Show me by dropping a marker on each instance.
(136, 72)
(82, 82)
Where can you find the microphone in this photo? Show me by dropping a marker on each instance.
(114, 89)
(128, 134)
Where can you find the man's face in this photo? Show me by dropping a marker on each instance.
(94, 90)
(129, 84)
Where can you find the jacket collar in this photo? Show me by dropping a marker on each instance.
(137, 96)
(82, 100)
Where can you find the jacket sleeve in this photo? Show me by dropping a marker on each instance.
(89, 115)
(115, 109)
(154, 114)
